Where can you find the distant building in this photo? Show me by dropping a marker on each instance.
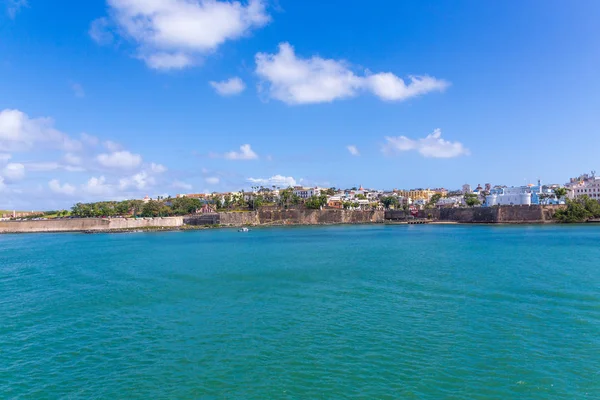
(514, 196)
(466, 188)
(335, 202)
(449, 202)
(590, 188)
(584, 185)
(416, 194)
(306, 193)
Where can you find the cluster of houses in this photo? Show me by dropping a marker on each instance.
(488, 195)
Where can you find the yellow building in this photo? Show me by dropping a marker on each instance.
(416, 194)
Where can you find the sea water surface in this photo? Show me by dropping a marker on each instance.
(365, 312)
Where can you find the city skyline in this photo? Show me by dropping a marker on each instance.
(96, 106)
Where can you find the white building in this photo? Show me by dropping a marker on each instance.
(307, 193)
(513, 196)
(466, 188)
(453, 201)
(590, 188)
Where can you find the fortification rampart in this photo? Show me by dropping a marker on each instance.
(88, 224)
(490, 215)
(300, 217)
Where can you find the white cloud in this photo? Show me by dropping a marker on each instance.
(72, 159)
(229, 87)
(51, 166)
(212, 180)
(353, 150)
(276, 180)
(158, 168)
(112, 146)
(181, 185)
(140, 181)
(100, 31)
(172, 34)
(295, 80)
(388, 86)
(166, 61)
(14, 6)
(89, 139)
(13, 172)
(97, 187)
(431, 146)
(245, 153)
(4, 157)
(18, 132)
(56, 187)
(78, 90)
(119, 159)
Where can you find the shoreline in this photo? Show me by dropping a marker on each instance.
(189, 228)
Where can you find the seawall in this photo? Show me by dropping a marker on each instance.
(486, 215)
(300, 217)
(489, 215)
(88, 224)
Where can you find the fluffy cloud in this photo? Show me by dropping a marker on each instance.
(13, 172)
(353, 150)
(100, 31)
(181, 185)
(89, 140)
(72, 159)
(19, 132)
(57, 188)
(112, 146)
(245, 153)
(158, 168)
(140, 181)
(119, 160)
(295, 80)
(212, 180)
(276, 180)
(49, 150)
(171, 34)
(167, 61)
(431, 146)
(51, 166)
(230, 87)
(98, 187)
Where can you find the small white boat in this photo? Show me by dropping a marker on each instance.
(243, 230)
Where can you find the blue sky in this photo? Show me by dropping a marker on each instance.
(111, 99)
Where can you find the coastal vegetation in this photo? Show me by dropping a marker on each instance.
(472, 200)
(578, 210)
(389, 202)
(316, 202)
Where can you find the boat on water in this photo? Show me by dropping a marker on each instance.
(243, 230)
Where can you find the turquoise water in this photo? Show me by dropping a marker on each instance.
(371, 312)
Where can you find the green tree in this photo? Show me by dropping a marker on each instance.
(390, 201)
(560, 192)
(152, 209)
(185, 205)
(316, 202)
(471, 199)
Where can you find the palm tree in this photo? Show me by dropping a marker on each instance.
(560, 193)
